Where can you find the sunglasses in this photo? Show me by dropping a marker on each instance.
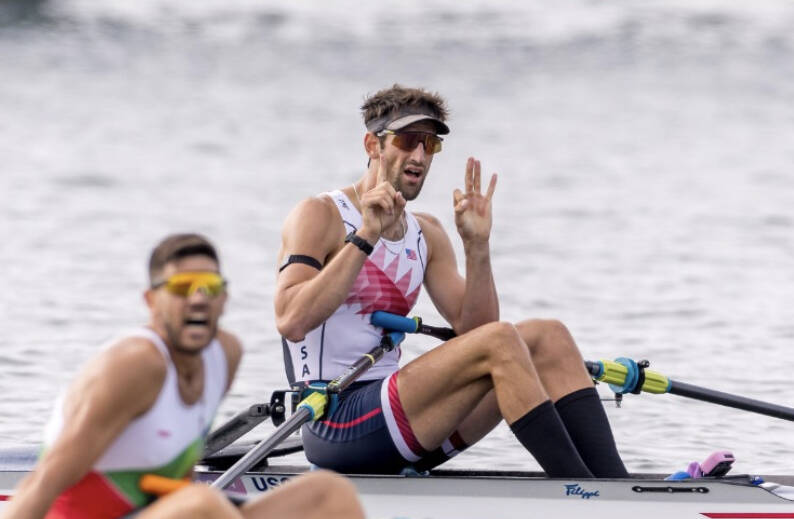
(408, 141)
(185, 284)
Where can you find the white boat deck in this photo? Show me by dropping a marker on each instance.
(460, 494)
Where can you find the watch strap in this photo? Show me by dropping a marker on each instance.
(359, 242)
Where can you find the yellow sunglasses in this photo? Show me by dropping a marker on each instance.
(185, 284)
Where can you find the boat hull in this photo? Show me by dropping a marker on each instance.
(449, 494)
(463, 495)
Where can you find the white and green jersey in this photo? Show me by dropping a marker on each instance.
(166, 440)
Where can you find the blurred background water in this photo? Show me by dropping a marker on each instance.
(645, 193)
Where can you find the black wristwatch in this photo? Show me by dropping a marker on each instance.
(359, 242)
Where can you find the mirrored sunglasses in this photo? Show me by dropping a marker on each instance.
(408, 141)
(185, 284)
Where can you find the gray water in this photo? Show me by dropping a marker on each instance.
(645, 192)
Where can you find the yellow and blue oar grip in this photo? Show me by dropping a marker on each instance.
(611, 372)
(394, 322)
(623, 374)
(315, 403)
(656, 383)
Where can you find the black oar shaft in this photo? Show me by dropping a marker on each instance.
(729, 400)
(355, 370)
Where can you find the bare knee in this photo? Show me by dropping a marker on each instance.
(503, 343)
(501, 331)
(548, 340)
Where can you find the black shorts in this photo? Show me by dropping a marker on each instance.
(368, 433)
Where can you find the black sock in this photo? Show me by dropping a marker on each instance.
(543, 434)
(442, 454)
(586, 421)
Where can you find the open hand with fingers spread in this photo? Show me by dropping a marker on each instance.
(472, 208)
(381, 207)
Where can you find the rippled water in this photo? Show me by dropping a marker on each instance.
(645, 194)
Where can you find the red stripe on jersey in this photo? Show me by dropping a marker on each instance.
(402, 421)
(93, 497)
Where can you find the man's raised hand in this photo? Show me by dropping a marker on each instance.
(381, 207)
(472, 208)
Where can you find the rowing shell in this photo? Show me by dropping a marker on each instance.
(458, 494)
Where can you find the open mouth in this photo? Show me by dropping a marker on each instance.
(193, 321)
(411, 172)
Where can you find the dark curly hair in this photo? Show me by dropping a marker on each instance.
(392, 99)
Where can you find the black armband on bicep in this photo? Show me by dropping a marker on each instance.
(301, 258)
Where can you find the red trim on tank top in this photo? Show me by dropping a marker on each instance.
(93, 497)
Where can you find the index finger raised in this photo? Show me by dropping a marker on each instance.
(381, 169)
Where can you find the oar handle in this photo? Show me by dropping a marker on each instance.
(394, 322)
(161, 485)
(399, 323)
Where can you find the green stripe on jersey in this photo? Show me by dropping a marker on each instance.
(126, 481)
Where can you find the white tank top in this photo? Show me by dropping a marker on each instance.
(166, 431)
(390, 280)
